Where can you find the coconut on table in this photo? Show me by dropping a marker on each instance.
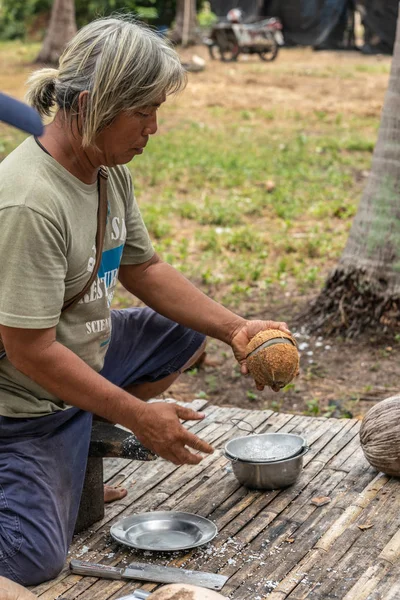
(380, 436)
(185, 592)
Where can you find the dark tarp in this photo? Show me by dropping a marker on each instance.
(379, 18)
(313, 22)
(323, 23)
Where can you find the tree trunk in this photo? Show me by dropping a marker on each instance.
(363, 292)
(62, 28)
(185, 29)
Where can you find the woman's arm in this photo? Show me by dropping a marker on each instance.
(37, 354)
(168, 292)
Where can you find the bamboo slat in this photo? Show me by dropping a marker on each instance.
(273, 545)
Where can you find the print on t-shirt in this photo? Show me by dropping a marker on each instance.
(108, 272)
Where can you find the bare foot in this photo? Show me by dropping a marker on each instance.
(111, 493)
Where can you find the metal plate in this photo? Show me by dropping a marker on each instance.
(265, 447)
(164, 531)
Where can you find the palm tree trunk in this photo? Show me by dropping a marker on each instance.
(185, 29)
(363, 292)
(62, 28)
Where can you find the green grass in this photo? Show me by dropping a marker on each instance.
(211, 182)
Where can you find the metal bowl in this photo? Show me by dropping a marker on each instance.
(265, 447)
(269, 475)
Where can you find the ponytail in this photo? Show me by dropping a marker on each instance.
(42, 90)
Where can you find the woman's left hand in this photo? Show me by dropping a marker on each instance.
(242, 336)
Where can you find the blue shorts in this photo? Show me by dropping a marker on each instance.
(146, 347)
(43, 459)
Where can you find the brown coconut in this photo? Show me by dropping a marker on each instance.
(183, 591)
(276, 364)
(380, 436)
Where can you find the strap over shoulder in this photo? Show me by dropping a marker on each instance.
(102, 178)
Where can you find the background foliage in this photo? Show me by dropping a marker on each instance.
(27, 19)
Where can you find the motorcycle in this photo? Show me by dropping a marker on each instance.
(230, 39)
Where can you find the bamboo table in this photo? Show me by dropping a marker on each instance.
(272, 545)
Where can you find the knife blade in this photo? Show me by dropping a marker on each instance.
(150, 572)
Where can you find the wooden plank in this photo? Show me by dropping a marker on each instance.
(345, 563)
(329, 573)
(388, 587)
(325, 483)
(198, 498)
(341, 458)
(351, 513)
(59, 587)
(372, 577)
(206, 428)
(102, 590)
(153, 476)
(262, 499)
(182, 507)
(287, 585)
(284, 556)
(175, 500)
(344, 560)
(343, 434)
(243, 498)
(342, 443)
(343, 521)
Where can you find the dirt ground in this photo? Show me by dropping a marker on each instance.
(299, 80)
(338, 377)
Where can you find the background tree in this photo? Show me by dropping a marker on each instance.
(62, 28)
(30, 19)
(185, 30)
(363, 291)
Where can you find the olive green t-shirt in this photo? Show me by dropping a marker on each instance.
(48, 223)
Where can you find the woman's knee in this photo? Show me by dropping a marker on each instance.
(36, 566)
(196, 356)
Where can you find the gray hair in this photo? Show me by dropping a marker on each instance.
(123, 64)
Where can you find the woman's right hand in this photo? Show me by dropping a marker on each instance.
(157, 426)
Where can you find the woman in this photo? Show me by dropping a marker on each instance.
(61, 367)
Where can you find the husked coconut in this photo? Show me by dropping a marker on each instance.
(272, 358)
(182, 591)
(380, 436)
